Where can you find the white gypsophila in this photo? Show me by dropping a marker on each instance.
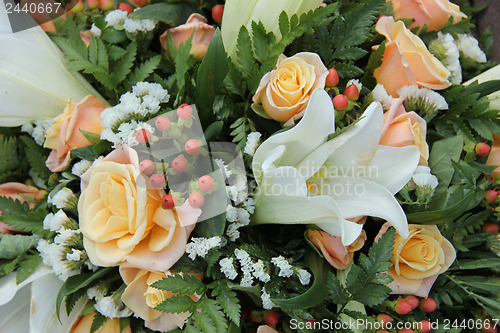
(423, 177)
(243, 216)
(95, 30)
(53, 255)
(201, 246)
(134, 26)
(379, 94)
(249, 205)
(107, 307)
(286, 270)
(356, 82)
(41, 127)
(115, 17)
(232, 231)
(432, 99)
(304, 276)
(54, 222)
(227, 268)
(246, 280)
(243, 257)
(238, 192)
(75, 255)
(223, 167)
(252, 143)
(79, 168)
(259, 271)
(150, 105)
(452, 57)
(61, 198)
(469, 47)
(64, 236)
(154, 89)
(231, 213)
(96, 292)
(27, 128)
(130, 101)
(113, 116)
(266, 300)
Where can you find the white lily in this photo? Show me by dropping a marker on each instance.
(305, 179)
(243, 12)
(34, 81)
(31, 305)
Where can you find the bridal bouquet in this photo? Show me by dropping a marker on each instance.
(248, 166)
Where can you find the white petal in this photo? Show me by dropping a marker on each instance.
(14, 316)
(360, 197)
(9, 288)
(392, 167)
(301, 140)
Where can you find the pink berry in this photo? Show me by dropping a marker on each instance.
(92, 4)
(425, 326)
(196, 200)
(179, 164)
(168, 201)
(157, 181)
(382, 331)
(192, 146)
(163, 123)
(217, 12)
(383, 319)
(205, 183)
(491, 195)
(332, 79)
(491, 228)
(340, 102)
(271, 318)
(402, 307)
(352, 92)
(106, 4)
(428, 304)
(482, 149)
(184, 111)
(147, 167)
(414, 302)
(125, 7)
(143, 136)
(73, 8)
(406, 330)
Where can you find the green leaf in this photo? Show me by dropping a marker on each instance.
(115, 52)
(211, 73)
(262, 41)
(93, 138)
(9, 154)
(173, 14)
(124, 65)
(337, 292)
(12, 246)
(314, 295)
(183, 62)
(213, 226)
(36, 156)
(478, 263)
(27, 267)
(141, 72)
(246, 62)
(29, 222)
(442, 153)
(204, 322)
(124, 323)
(77, 282)
(177, 304)
(213, 130)
(228, 300)
(214, 312)
(185, 284)
(11, 206)
(97, 322)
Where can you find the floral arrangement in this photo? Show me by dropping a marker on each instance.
(249, 166)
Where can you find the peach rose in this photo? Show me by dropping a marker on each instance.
(202, 36)
(122, 219)
(419, 259)
(266, 329)
(284, 92)
(494, 156)
(434, 13)
(64, 134)
(337, 254)
(407, 61)
(17, 191)
(403, 129)
(83, 324)
(141, 298)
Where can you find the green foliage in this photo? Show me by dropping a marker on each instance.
(366, 281)
(97, 322)
(173, 14)
(12, 246)
(440, 160)
(227, 300)
(11, 157)
(240, 128)
(30, 222)
(177, 304)
(36, 156)
(185, 284)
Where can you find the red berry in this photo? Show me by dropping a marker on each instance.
(382, 331)
(184, 111)
(352, 92)
(406, 330)
(125, 7)
(491, 228)
(196, 200)
(140, 3)
(192, 146)
(244, 313)
(92, 4)
(143, 136)
(75, 7)
(163, 123)
(482, 149)
(424, 326)
(340, 102)
(491, 195)
(489, 327)
(428, 304)
(271, 318)
(383, 319)
(106, 4)
(147, 167)
(179, 164)
(332, 79)
(157, 181)
(402, 307)
(168, 201)
(206, 183)
(217, 12)
(414, 302)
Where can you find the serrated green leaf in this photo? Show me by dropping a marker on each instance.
(246, 63)
(173, 14)
(36, 156)
(29, 222)
(27, 267)
(11, 206)
(481, 129)
(183, 62)
(185, 284)
(115, 52)
(124, 65)
(142, 71)
(214, 312)
(228, 301)
(124, 323)
(442, 153)
(336, 292)
(9, 154)
(177, 304)
(204, 322)
(12, 246)
(262, 41)
(283, 23)
(97, 322)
